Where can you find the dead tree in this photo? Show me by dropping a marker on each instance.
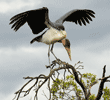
(42, 79)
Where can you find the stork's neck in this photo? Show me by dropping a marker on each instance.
(57, 26)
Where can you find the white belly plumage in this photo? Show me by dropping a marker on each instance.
(53, 35)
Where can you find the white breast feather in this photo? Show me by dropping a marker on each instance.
(53, 35)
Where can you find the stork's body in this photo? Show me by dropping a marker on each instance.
(53, 35)
(38, 20)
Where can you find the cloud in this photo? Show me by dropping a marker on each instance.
(14, 5)
(19, 55)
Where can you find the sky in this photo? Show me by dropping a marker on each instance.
(90, 44)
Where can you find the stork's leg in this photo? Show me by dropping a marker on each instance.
(52, 51)
(49, 54)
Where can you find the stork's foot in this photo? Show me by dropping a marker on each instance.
(57, 59)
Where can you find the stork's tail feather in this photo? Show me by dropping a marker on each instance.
(32, 41)
(38, 39)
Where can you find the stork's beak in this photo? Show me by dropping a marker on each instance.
(66, 44)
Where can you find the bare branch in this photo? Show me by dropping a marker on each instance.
(49, 89)
(42, 79)
(103, 80)
(45, 95)
(62, 65)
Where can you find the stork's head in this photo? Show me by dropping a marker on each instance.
(66, 44)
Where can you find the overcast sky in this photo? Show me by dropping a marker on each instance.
(89, 44)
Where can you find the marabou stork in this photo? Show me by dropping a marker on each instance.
(38, 20)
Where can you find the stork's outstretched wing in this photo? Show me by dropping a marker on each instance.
(77, 16)
(35, 19)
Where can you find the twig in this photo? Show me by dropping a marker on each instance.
(45, 95)
(103, 80)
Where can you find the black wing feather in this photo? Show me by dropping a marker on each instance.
(87, 16)
(79, 21)
(34, 18)
(17, 17)
(75, 21)
(19, 22)
(89, 13)
(83, 21)
(86, 20)
(77, 16)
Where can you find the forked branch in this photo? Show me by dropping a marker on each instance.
(42, 79)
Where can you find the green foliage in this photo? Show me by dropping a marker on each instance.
(68, 88)
(92, 97)
(106, 94)
(60, 87)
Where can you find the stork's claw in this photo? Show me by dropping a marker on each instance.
(58, 59)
